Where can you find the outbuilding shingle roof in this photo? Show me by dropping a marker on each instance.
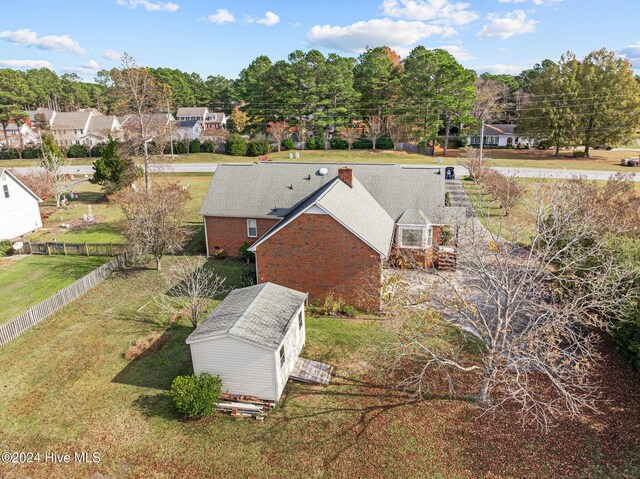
(259, 314)
(273, 189)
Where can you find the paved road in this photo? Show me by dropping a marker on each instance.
(460, 171)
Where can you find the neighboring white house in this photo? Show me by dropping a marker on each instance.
(252, 340)
(86, 127)
(19, 207)
(190, 129)
(14, 133)
(502, 135)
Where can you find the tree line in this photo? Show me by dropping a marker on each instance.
(426, 97)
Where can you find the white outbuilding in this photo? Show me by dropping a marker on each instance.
(252, 340)
(19, 207)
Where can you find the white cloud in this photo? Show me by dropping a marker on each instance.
(535, 2)
(221, 16)
(434, 11)
(459, 52)
(150, 6)
(111, 54)
(270, 19)
(57, 43)
(88, 68)
(500, 68)
(508, 25)
(354, 38)
(632, 53)
(26, 64)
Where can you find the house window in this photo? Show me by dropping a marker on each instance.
(5, 188)
(411, 237)
(252, 228)
(282, 358)
(300, 321)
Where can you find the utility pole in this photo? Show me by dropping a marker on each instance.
(481, 141)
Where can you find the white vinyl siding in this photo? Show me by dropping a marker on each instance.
(245, 369)
(293, 343)
(414, 236)
(19, 213)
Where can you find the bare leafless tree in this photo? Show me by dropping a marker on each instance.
(53, 163)
(373, 128)
(154, 218)
(475, 164)
(507, 191)
(533, 313)
(490, 96)
(137, 93)
(193, 286)
(350, 135)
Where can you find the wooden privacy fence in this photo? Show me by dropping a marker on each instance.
(53, 303)
(82, 249)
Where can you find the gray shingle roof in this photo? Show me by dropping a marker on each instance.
(199, 111)
(272, 189)
(186, 124)
(354, 207)
(74, 120)
(498, 129)
(102, 124)
(413, 217)
(47, 114)
(260, 314)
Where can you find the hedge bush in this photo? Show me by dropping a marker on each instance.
(288, 144)
(6, 248)
(206, 148)
(31, 153)
(578, 154)
(363, 143)
(257, 147)
(236, 145)
(196, 396)
(194, 146)
(77, 151)
(315, 143)
(384, 143)
(338, 143)
(627, 339)
(179, 148)
(9, 154)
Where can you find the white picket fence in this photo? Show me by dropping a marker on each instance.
(25, 321)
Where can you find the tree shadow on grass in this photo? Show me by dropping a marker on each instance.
(158, 369)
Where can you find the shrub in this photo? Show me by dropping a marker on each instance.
(236, 145)
(77, 151)
(179, 148)
(220, 253)
(31, 153)
(578, 154)
(5, 248)
(627, 339)
(206, 147)
(257, 147)
(9, 154)
(363, 143)
(96, 151)
(349, 311)
(288, 144)
(196, 396)
(545, 144)
(338, 143)
(447, 199)
(194, 146)
(315, 143)
(248, 279)
(245, 253)
(384, 143)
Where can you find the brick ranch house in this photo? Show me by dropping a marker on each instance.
(325, 228)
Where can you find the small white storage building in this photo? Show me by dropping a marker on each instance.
(19, 207)
(252, 340)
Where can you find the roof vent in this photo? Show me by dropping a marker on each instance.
(323, 171)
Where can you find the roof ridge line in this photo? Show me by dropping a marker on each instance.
(248, 308)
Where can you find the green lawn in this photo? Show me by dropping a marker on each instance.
(28, 280)
(76, 392)
(108, 215)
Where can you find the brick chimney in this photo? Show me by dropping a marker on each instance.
(346, 174)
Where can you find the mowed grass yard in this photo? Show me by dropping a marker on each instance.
(66, 387)
(27, 280)
(515, 158)
(108, 215)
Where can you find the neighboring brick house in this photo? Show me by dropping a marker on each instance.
(325, 229)
(215, 121)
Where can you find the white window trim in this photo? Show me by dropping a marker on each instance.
(249, 235)
(427, 236)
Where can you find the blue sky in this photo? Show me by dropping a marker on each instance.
(221, 37)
